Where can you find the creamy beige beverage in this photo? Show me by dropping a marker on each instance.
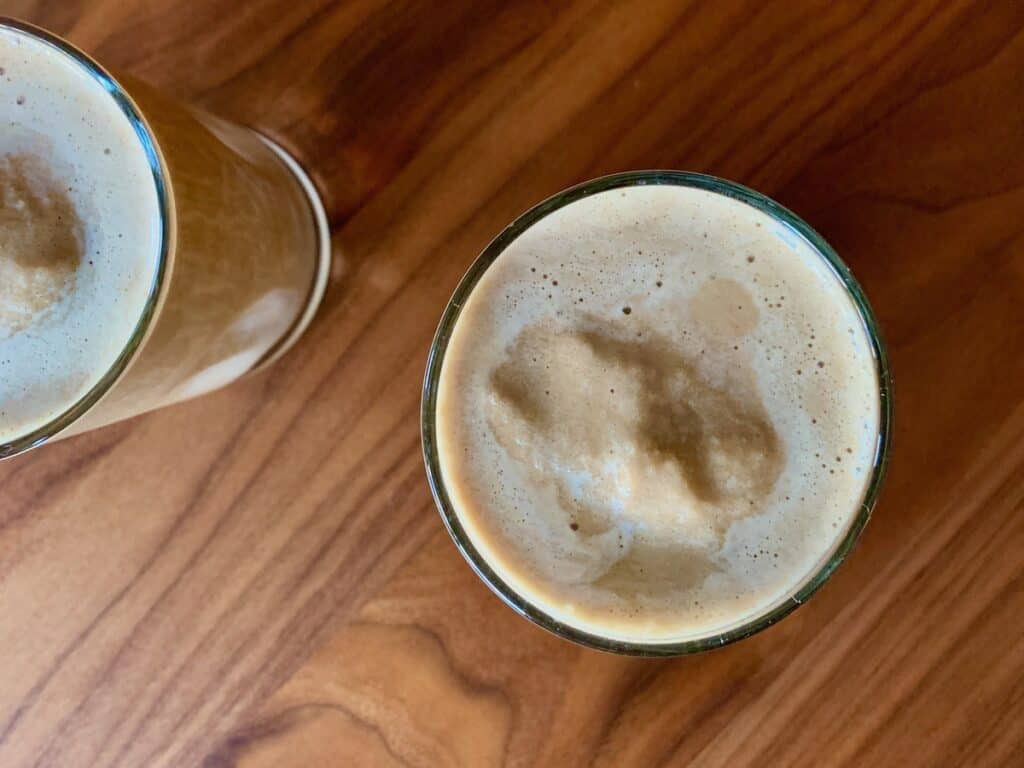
(79, 232)
(657, 414)
(148, 252)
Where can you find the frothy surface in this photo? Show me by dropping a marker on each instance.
(657, 413)
(79, 232)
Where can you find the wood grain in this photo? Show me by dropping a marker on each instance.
(259, 578)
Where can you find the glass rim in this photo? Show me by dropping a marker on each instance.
(428, 412)
(149, 145)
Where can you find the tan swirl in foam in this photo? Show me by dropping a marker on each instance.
(654, 447)
(41, 241)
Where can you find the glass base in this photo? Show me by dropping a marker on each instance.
(323, 256)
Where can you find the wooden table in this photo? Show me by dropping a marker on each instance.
(259, 578)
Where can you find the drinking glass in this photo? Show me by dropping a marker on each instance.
(829, 562)
(242, 262)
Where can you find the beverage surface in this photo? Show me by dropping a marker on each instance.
(657, 414)
(79, 232)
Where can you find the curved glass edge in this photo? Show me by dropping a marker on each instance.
(40, 435)
(435, 361)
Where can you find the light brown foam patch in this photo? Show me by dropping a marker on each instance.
(651, 442)
(724, 307)
(41, 241)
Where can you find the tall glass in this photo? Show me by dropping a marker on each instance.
(520, 602)
(241, 267)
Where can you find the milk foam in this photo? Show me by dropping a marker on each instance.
(657, 413)
(79, 232)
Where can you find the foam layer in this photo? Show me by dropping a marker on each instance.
(657, 413)
(79, 232)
